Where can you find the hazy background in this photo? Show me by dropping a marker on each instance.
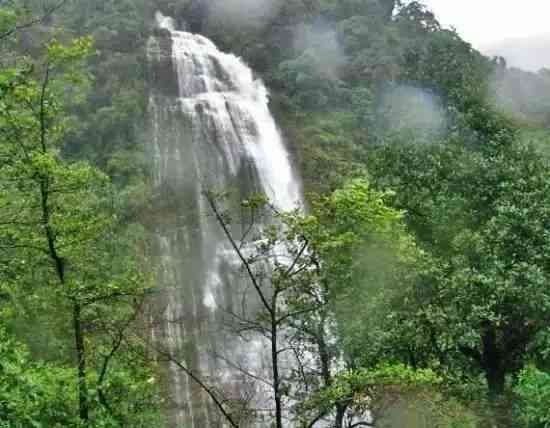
(516, 30)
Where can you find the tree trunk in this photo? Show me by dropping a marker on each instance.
(496, 379)
(340, 413)
(44, 182)
(276, 379)
(81, 357)
(495, 373)
(324, 355)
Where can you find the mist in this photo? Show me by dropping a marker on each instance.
(322, 45)
(244, 13)
(529, 53)
(414, 110)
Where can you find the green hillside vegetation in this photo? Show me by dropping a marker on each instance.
(426, 170)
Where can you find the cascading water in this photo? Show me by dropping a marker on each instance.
(211, 128)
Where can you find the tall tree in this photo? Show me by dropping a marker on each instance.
(483, 217)
(58, 225)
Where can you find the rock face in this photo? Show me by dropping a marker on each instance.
(210, 129)
(161, 75)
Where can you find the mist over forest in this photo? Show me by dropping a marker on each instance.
(529, 54)
(270, 214)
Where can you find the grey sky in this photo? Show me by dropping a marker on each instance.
(483, 22)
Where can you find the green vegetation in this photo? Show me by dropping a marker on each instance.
(532, 391)
(70, 266)
(422, 268)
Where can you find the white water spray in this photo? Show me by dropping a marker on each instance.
(211, 128)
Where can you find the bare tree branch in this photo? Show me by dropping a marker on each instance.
(238, 251)
(117, 343)
(243, 370)
(209, 391)
(297, 313)
(298, 257)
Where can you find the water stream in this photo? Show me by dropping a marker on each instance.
(211, 129)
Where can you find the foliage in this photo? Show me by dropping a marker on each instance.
(479, 302)
(522, 94)
(537, 137)
(375, 390)
(61, 262)
(365, 249)
(31, 394)
(533, 393)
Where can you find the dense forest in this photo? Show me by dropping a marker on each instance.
(419, 287)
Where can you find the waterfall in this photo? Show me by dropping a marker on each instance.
(210, 128)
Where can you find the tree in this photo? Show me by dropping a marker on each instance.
(358, 243)
(57, 228)
(482, 216)
(270, 268)
(307, 271)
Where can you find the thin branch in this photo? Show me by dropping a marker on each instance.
(97, 299)
(298, 257)
(301, 368)
(117, 343)
(245, 324)
(42, 112)
(218, 403)
(296, 313)
(249, 229)
(242, 370)
(237, 250)
(300, 270)
(49, 12)
(316, 419)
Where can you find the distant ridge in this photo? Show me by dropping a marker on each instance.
(529, 53)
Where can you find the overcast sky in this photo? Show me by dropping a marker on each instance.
(482, 22)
